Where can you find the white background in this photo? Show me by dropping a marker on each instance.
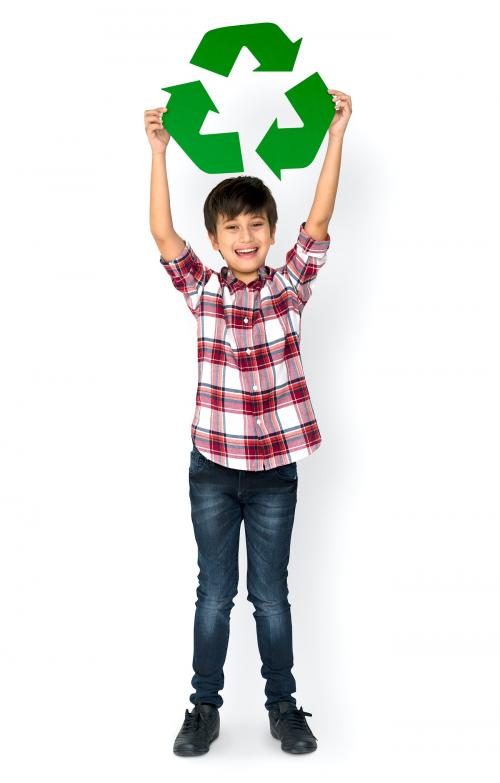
(394, 579)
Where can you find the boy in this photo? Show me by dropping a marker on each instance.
(253, 421)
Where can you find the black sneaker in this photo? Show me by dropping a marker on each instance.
(200, 727)
(289, 725)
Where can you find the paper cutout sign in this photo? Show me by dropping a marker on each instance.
(280, 148)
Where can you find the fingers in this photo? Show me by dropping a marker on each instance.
(339, 94)
(340, 98)
(153, 117)
(152, 114)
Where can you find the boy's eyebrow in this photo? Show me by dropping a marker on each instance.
(231, 219)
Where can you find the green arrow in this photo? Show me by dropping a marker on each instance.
(188, 107)
(295, 148)
(219, 48)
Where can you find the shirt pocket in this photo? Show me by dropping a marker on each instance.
(274, 329)
(230, 339)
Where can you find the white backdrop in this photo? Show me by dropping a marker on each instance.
(394, 579)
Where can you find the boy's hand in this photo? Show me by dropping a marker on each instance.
(343, 110)
(156, 133)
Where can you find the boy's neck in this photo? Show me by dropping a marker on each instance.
(247, 278)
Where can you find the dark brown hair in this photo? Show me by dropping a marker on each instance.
(237, 195)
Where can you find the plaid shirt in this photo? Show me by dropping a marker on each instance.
(253, 410)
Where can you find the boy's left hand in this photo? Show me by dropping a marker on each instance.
(343, 110)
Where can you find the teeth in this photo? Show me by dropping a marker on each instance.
(250, 250)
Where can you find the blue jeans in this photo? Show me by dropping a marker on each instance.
(220, 499)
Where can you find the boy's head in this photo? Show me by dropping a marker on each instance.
(240, 212)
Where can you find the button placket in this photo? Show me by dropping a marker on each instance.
(253, 300)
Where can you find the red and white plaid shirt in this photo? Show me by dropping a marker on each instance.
(253, 410)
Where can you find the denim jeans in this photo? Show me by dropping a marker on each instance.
(221, 498)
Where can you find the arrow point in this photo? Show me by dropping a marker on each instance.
(267, 149)
(211, 105)
(294, 50)
(286, 60)
(173, 88)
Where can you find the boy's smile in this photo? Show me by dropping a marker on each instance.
(243, 233)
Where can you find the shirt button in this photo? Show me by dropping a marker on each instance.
(248, 350)
(254, 387)
(245, 320)
(258, 421)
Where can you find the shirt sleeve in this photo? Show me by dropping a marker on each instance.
(188, 275)
(304, 261)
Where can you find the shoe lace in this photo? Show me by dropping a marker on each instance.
(193, 720)
(295, 718)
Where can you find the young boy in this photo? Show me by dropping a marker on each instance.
(253, 421)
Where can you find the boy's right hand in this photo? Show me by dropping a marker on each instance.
(156, 133)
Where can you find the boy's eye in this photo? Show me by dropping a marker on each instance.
(254, 224)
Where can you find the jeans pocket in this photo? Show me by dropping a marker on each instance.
(197, 462)
(287, 472)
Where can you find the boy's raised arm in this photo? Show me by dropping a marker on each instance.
(169, 242)
(326, 189)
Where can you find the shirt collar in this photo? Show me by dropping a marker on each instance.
(234, 283)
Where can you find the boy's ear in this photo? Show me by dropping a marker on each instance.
(213, 240)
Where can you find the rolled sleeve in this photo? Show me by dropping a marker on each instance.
(189, 276)
(304, 261)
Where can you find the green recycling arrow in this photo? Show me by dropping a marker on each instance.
(295, 148)
(213, 153)
(219, 48)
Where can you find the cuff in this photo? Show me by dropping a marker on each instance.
(185, 252)
(307, 242)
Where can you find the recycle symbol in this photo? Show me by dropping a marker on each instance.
(280, 148)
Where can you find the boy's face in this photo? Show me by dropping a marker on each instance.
(243, 231)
